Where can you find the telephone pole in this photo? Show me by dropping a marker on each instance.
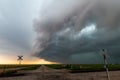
(105, 63)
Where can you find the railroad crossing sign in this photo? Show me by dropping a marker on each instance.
(20, 58)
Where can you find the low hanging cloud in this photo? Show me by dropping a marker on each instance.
(72, 27)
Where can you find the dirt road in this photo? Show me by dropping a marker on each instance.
(45, 73)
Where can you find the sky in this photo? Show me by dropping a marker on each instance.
(16, 30)
(59, 31)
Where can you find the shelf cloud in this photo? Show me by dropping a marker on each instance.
(69, 29)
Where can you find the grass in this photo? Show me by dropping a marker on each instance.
(12, 66)
(32, 67)
(10, 70)
(8, 73)
(19, 67)
(74, 68)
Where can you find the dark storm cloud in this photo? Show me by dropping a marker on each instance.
(69, 28)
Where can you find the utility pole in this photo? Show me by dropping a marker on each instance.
(20, 58)
(105, 63)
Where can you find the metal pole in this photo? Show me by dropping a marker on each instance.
(105, 63)
(19, 62)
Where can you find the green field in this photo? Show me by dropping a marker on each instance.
(81, 67)
(85, 67)
(72, 68)
(8, 66)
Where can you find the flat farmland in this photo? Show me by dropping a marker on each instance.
(64, 72)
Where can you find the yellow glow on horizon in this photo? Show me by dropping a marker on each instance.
(6, 59)
(42, 61)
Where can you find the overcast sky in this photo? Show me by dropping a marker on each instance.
(64, 31)
(16, 26)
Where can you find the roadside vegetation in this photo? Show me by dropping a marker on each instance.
(15, 66)
(74, 68)
(10, 70)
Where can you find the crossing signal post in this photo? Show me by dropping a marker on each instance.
(105, 63)
(20, 58)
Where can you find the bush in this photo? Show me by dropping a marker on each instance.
(8, 73)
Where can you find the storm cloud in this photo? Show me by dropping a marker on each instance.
(69, 29)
